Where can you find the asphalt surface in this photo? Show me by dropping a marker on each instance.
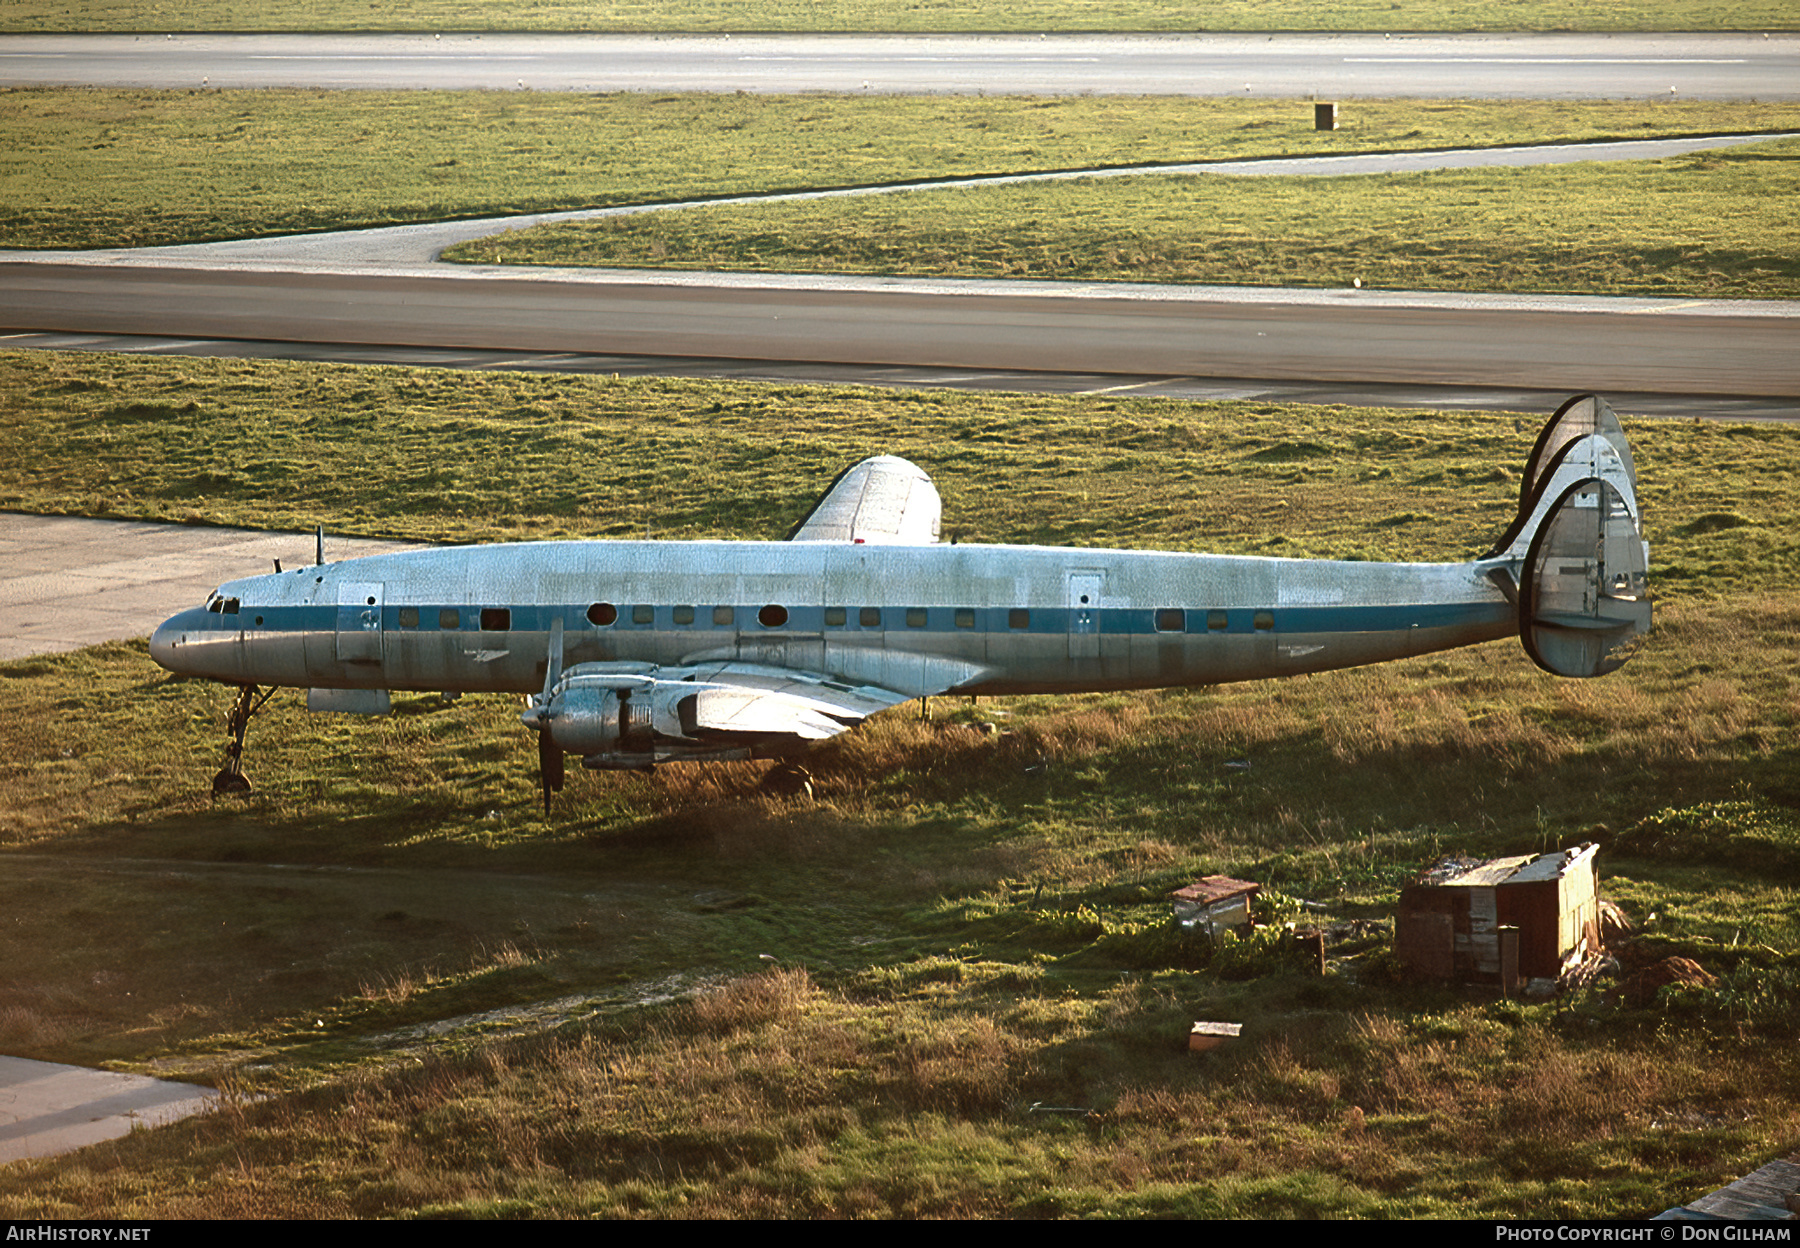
(1535, 402)
(382, 289)
(1549, 66)
(1667, 346)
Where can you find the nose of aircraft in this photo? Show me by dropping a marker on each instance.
(167, 641)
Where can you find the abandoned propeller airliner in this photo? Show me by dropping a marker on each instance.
(639, 653)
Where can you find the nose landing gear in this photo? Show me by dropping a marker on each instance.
(231, 777)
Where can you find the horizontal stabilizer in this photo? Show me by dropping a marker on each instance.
(1584, 597)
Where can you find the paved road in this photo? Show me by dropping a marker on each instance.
(1721, 67)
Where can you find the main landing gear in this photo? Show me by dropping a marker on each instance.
(788, 780)
(231, 778)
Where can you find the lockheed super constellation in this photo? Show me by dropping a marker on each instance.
(645, 652)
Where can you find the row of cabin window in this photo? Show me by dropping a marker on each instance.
(493, 619)
(1174, 620)
(601, 614)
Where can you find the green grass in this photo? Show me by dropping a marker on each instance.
(453, 1005)
(980, 937)
(104, 168)
(1710, 224)
(890, 15)
(442, 455)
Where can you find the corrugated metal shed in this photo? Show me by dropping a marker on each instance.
(1451, 923)
(1770, 1194)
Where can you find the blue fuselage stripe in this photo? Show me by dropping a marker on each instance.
(811, 620)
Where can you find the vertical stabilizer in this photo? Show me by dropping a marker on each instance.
(1577, 545)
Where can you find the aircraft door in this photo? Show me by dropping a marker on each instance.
(1084, 614)
(359, 622)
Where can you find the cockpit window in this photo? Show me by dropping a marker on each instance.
(218, 604)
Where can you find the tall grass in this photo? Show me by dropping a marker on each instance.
(772, 1097)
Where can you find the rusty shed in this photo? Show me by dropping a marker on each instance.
(1453, 916)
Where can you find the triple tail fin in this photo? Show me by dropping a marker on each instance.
(1577, 545)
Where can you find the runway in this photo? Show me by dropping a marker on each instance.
(1492, 66)
(381, 288)
(1666, 346)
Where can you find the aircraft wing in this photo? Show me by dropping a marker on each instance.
(883, 500)
(598, 710)
(749, 698)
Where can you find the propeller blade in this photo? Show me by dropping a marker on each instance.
(550, 768)
(550, 759)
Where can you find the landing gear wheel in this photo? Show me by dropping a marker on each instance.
(229, 781)
(788, 780)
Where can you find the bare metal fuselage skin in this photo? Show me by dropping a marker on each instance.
(639, 653)
(912, 619)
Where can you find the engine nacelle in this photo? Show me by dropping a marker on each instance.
(605, 712)
(631, 716)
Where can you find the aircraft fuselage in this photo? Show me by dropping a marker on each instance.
(914, 619)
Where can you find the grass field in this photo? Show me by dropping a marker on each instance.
(891, 15)
(1714, 224)
(104, 168)
(968, 922)
(449, 456)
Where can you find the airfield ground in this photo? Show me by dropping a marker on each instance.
(968, 922)
(449, 1004)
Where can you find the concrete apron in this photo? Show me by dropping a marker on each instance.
(66, 583)
(47, 1109)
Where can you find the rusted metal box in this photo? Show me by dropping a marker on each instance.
(1450, 918)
